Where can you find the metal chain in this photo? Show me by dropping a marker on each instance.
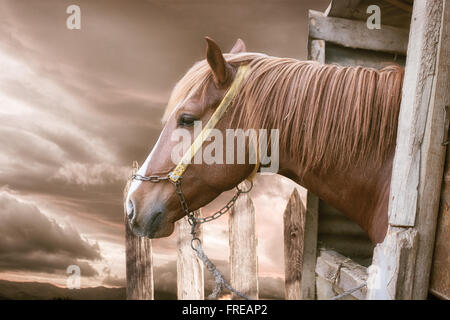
(227, 207)
(219, 280)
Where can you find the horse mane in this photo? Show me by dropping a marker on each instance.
(327, 115)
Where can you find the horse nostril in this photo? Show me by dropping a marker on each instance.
(130, 210)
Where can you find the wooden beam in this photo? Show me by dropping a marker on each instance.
(243, 242)
(440, 273)
(415, 111)
(190, 276)
(355, 34)
(316, 51)
(294, 236)
(139, 267)
(337, 273)
(419, 158)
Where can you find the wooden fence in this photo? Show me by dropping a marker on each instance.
(243, 260)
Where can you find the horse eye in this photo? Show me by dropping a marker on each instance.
(186, 120)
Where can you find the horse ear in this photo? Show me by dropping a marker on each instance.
(217, 62)
(239, 47)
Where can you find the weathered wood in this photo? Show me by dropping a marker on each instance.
(294, 234)
(433, 156)
(190, 276)
(418, 163)
(399, 4)
(415, 110)
(243, 242)
(359, 57)
(316, 51)
(310, 247)
(392, 271)
(336, 274)
(355, 34)
(139, 268)
(440, 272)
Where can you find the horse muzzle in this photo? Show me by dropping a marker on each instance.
(148, 222)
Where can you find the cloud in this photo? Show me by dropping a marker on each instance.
(92, 174)
(30, 241)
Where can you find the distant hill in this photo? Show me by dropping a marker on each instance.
(45, 291)
(10, 290)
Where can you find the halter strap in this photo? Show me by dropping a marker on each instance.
(179, 170)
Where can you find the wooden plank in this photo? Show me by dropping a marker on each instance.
(294, 234)
(337, 273)
(139, 267)
(402, 5)
(243, 242)
(433, 157)
(415, 110)
(418, 164)
(190, 276)
(355, 34)
(440, 272)
(310, 247)
(316, 51)
(392, 271)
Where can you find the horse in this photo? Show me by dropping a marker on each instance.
(337, 133)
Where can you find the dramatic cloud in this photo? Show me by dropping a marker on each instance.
(30, 241)
(78, 106)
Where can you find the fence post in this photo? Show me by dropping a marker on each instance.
(190, 279)
(243, 241)
(139, 267)
(404, 258)
(294, 234)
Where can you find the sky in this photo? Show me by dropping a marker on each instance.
(78, 106)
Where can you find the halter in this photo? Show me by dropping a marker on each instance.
(176, 175)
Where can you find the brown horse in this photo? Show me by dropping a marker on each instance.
(337, 128)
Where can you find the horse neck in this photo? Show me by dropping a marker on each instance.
(361, 193)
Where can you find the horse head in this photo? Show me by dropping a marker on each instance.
(153, 208)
